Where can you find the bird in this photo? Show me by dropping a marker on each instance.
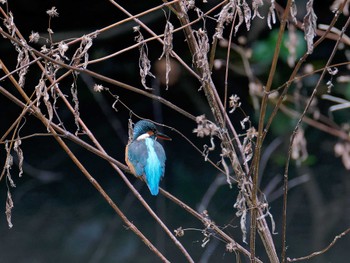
(145, 156)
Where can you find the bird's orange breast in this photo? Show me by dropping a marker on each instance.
(130, 165)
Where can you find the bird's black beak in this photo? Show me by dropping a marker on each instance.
(163, 136)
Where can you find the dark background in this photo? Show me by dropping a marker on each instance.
(59, 216)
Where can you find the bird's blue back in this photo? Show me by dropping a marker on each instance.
(147, 157)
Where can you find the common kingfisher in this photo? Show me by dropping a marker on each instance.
(145, 156)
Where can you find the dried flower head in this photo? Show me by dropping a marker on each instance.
(231, 247)
(187, 5)
(98, 88)
(205, 213)
(179, 232)
(62, 48)
(44, 49)
(205, 127)
(34, 37)
(252, 133)
(52, 12)
(234, 103)
(333, 71)
(244, 121)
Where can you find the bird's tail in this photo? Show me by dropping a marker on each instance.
(153, 185)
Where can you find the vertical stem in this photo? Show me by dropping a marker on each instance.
(259, 142)
(48, 124)
(285, 183)
(219, 113)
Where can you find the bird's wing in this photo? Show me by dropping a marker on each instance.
(161, 155)
(154, 169)
(137, 156)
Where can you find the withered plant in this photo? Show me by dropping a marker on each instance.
(214, 47)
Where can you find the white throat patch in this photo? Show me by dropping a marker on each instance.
(143, 136)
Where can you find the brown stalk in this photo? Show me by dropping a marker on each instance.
(274, 112)
(48, 124)
(139, 197)
(86, 71)
(314, 254)
(264, 102)
(286, 171)
(213, 226)
(218, 112)
(78, 141)
(318, 125)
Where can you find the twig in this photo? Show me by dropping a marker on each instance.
(213, 226)
(264, 102)
(323, 31)
(314, 254)
(108, 80)
(129, 224)
(227, 65)
(70, 136)
(286, 170)
(48, 124)
(218, 113)
(139, 197)
(320, 126)
(296, 69)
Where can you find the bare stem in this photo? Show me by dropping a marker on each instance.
(314, 254)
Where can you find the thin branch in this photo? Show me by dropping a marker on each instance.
(212, 224)
(48, 124)
(296, 69)
(218, 112)
(318, 125)
(286, 170)
(98, 187)
(257, 152)
(227, 62)
(314, 254)
(70, 136)
(139, 197)
(106, 79)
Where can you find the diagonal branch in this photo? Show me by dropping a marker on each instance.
(218, 113)
(314, 254)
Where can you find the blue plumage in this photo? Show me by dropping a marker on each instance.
(145, 156)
